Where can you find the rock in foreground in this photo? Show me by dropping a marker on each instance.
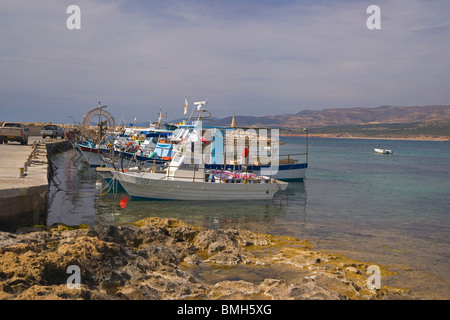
(157, 259)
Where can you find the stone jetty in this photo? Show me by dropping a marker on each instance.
(24, 181)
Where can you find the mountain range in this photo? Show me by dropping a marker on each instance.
(344, 116)
(421, 122)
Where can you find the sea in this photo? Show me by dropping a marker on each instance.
(391, 210)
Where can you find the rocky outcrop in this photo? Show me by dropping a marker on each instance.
(159, 258)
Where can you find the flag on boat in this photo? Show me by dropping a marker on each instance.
(185, 105)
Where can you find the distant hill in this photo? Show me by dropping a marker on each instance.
(344, 116)
(427, 130)
(415, 122)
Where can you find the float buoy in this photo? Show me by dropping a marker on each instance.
(123, 202)
(70, 135)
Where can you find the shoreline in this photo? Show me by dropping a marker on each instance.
(165, 259)
(331, 136)
(35, 127)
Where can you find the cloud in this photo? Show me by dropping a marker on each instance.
(249, 58)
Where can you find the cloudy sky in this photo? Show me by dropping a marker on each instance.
(246, 57)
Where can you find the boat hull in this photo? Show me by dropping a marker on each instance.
(382, 151)
(90, 155)
(158, 186)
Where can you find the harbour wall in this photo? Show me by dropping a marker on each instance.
(24, 182)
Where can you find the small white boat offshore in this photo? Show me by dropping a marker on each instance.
(383, 151)
(185, 180)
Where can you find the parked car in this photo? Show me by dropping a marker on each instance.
(14, 131)
(52, 131)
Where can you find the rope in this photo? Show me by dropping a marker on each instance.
(53, 170)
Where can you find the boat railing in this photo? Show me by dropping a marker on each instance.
(290, 158)
(197, 167)
(197, 171)
(198, 174)
(225, 164)
(158, 162)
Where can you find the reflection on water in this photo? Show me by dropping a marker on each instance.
(75, 200)
(217, 214)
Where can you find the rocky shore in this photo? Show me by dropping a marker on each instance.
(166, 259)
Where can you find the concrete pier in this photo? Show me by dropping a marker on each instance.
(24, 182)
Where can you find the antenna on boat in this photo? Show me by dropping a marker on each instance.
(201, 113)
(200, 105)
(160, 117)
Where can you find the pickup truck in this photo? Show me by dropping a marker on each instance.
(14, 131)
(52, 131)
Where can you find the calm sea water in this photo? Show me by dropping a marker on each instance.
(390, 210)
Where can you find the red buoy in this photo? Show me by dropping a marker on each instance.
(123, 202)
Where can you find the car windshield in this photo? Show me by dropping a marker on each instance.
(49, 127)
(12, 125)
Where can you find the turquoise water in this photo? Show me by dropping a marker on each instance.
(384, 209)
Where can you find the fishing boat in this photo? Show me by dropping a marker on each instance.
(262, 157)
(101, 143)
(216, 142)
(90, 153)
(188, 180)
(157, 161)
(383, 151)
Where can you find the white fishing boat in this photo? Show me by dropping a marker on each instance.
(262, 158)
(91, 154)
(383, 151)
(186, 180)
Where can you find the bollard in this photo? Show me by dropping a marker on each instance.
(25, 166)
(21, 175)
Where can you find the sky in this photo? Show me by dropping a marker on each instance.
(265, 57)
